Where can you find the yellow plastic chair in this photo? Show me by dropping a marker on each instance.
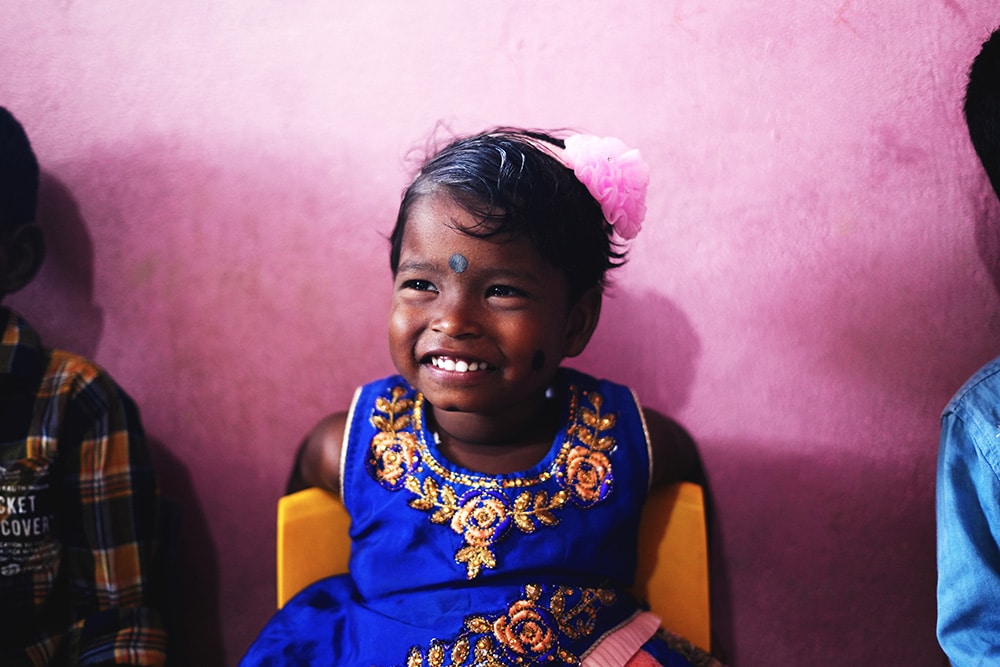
(672, 576)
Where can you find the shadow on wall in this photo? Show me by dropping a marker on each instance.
(987, 229)
(59, 304)
(644, 341)
(192, 569)
(814, 547)
(59, 301)
(817, 546)
(648, 343)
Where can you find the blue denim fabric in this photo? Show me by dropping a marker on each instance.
(968, 522)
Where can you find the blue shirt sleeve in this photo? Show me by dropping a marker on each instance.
(968, 528)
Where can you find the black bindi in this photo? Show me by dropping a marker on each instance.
(538, 360)
(458, 263)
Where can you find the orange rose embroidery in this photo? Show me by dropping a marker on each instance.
(393, 457)
(482, 518)
(588, 474)
(528, 631)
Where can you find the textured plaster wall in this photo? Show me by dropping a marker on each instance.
(816, 277)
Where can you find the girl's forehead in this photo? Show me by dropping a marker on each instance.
(440, 242)
(438, 248)
(439, 226)
(446, 246)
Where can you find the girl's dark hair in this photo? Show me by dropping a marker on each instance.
(18, 174)
(507, 180)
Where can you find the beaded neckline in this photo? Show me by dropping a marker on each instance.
(483, 509)
(431, 455)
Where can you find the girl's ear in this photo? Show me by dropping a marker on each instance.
(21, 257)
(582, 321)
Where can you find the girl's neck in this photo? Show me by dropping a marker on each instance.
(496, 447)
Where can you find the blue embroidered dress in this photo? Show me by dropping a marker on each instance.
(453, 567)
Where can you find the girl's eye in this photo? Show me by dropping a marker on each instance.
(420, 285)
(503, 291)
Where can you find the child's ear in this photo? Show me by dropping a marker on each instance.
(582, 321)
(23, 252)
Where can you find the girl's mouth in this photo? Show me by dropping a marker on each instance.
(452, 364)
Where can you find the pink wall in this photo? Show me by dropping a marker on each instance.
(807, 295)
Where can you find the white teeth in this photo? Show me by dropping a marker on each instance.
(459, 366)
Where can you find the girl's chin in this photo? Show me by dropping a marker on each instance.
(459, 400)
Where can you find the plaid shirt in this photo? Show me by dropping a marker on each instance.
(78, 513)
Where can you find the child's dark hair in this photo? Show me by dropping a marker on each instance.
(982, 107)
(18, 174)
(508, 181)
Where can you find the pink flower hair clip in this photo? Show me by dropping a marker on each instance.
(615, 175)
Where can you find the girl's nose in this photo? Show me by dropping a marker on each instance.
(457, 317)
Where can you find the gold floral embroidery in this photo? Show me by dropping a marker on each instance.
(484, 514)
(394, 453)
(588, 469)
(529, 633)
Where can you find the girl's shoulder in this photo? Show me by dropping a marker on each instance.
(320, 459)
(319, 464)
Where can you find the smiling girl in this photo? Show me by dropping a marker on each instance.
(494, 494)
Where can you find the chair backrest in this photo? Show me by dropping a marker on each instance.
(672, 575)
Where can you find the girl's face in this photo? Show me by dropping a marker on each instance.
(479, 325)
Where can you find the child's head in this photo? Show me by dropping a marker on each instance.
(18, 174)
(22, 242)
(512, 183)
(982, 107)
(499, 255)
